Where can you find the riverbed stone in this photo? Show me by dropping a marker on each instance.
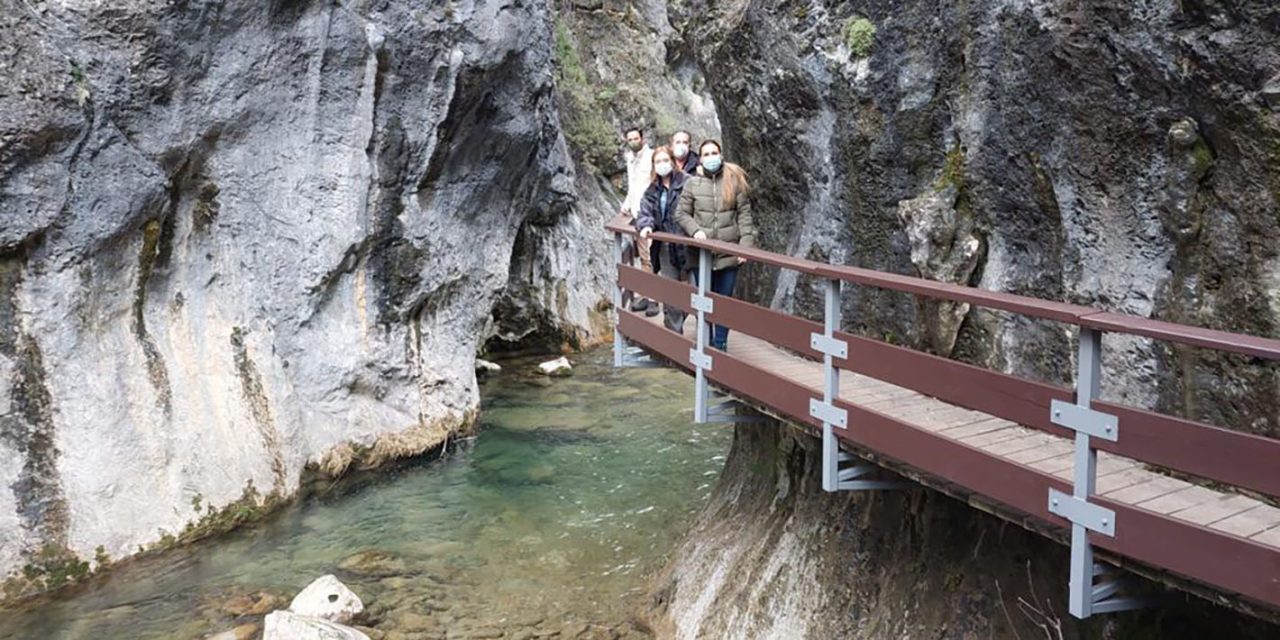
(286, 625)
(241, 632)
(413, 621)
(255, 603)
(329, 599)
(374, 563)
(558, 368)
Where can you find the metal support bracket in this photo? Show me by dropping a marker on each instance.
(1081, 512)
(636, 358)
(852, 477)
(1106, 593)
(829, 346)
(726, 412)
(1095, 423)
(702, 303)
(700, 360)
(828, 413)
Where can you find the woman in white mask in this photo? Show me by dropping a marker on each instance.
(716, 205)
(658, 213)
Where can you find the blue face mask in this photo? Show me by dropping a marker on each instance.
(712, 164)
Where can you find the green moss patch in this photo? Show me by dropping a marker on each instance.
(859, 36)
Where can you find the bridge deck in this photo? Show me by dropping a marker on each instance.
(1220, 514)
(1120, 479)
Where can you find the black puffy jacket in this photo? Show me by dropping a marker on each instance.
(654, 216)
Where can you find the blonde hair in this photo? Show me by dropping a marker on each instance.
(735, 177)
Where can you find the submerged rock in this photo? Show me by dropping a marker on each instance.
(486, 368)
(237, 605)
(329, 599)
(375, 564)
(242, 632)
(286, 625)
(558, 368)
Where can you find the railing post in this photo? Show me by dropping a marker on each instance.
(618, 344)
(830, 388)
(1086, 475)
(1083, 598)
(698, 356)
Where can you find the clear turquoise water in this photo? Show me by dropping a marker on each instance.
(571, 495)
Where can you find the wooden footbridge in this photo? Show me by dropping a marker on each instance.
(1062, 462)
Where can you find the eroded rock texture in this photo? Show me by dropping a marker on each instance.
(1124, 155)
(238, 238)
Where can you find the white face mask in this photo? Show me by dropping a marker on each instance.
(681, 149)
(663, 169)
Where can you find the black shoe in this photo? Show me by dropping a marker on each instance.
(651, 311)
(640, 305)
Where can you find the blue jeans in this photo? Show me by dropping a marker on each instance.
(722, 282)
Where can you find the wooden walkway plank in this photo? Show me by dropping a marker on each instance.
(1180, 500)
(1249, 523)
(962, 431)
(1270, 537)
(1154, 487)
(1224, 507)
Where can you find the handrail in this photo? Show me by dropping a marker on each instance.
(1079, 315)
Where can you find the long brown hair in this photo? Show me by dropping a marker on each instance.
(735, 177)
(653, 171)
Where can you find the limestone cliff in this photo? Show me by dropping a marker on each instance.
(1123, 155)
(238, 238)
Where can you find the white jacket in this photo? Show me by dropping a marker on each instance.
(639, 175)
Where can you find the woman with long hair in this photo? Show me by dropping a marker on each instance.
(658, 213)
(716, 204)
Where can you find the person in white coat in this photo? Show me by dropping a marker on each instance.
(639, 158)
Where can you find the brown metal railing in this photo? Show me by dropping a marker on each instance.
(1227, 562)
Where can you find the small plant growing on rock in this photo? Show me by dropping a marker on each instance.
(859, 36)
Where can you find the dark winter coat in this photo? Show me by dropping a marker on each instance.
(654, 216)
(692, 159)
(702, 208)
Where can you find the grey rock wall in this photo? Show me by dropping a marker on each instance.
(1123, 155)
(239, 238)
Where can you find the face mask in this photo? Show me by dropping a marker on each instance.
(663, 169)
(636, 146)
(712, 164)
(681, 149)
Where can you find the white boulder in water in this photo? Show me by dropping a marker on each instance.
(556, 368)
(485, 367)
(327, 598)
(286, 625)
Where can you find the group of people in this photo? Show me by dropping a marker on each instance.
(677, 190)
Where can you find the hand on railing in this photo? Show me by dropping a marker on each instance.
(700, 235)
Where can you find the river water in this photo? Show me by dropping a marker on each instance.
(548, 523)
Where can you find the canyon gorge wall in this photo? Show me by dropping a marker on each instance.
(240, 239)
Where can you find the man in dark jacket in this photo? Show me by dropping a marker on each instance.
(685, 159)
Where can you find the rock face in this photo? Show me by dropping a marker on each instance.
(1120, 155)
(329, 599)
(283, 625)
(238, 238)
